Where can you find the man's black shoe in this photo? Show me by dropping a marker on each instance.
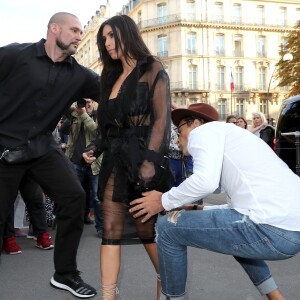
(73, 283)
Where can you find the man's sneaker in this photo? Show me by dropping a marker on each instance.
(43, 241)
(10, 246)
(73, 283)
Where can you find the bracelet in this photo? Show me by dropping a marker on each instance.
(195, 207)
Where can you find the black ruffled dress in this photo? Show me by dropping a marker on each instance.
(134, 127)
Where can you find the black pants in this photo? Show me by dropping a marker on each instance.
(54, 173)
(32, 195)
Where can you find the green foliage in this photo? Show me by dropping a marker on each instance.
(288, 72)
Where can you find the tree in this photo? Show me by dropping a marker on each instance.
(288, 72)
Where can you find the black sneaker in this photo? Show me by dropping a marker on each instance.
(73, 283)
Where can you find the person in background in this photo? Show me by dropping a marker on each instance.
(134, 136)
(260, 222)
(231, 119)
(262, 129)
(19, 213)
(241, 122)
(42, 80)
(82, 131)
(61, 133)
(33, 197)
(175, 155)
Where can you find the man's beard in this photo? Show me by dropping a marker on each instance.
(64, 47)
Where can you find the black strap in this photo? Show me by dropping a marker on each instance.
(157, 158)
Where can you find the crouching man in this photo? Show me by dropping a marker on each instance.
(261, 220)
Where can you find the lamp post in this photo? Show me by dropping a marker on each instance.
(286, 57)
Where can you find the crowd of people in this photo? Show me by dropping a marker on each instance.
(123, 159)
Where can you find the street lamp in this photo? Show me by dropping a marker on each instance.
(286, 57)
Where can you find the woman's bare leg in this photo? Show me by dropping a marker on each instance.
(110, 261)
(152, 252)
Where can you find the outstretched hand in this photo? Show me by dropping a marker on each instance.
(89, 156)
(147, 206)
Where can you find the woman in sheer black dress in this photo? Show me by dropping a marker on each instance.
(134, 135)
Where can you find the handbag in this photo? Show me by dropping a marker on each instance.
(15, 156)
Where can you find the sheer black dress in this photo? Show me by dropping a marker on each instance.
(134, 127)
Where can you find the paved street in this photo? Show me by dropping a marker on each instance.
(211, 276)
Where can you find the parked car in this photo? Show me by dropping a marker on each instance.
(288, 121)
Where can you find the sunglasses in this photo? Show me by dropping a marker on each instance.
(185, 123)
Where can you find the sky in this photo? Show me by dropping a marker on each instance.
(26, 20)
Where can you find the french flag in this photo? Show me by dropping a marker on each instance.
(231, 82)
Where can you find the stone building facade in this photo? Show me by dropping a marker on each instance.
(206, 45)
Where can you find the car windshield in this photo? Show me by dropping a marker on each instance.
(289, 119)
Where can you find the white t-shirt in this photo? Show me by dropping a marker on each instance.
(258, 183)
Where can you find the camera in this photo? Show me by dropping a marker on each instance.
(81, 103)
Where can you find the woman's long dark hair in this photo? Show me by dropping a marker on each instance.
(126, 33)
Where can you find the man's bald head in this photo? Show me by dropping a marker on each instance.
(63, 35)
(60, 18)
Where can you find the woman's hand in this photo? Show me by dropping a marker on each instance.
(89, 156)
(147, 171)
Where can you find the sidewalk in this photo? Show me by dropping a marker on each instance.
(211, 276)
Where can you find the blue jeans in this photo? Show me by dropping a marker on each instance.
(85, 171)
(176, 166)
(224, 231)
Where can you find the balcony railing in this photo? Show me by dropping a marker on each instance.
(178, 18)
(188, 86)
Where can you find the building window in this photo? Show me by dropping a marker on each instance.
(238, 45)
(261, 46)
(220, 78)
(297, 16)
(191, 43)
(162, 42)
(262, 78)
(192, 77)
(240, 107)
(283, 44)
(263, 106)
(238, 78)
(139, 18)
(282, 16)
(260, 15)
(162, 13)
(190, 10)
(218, 11)
(236, 18)
(222, 108)
(220, 44)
